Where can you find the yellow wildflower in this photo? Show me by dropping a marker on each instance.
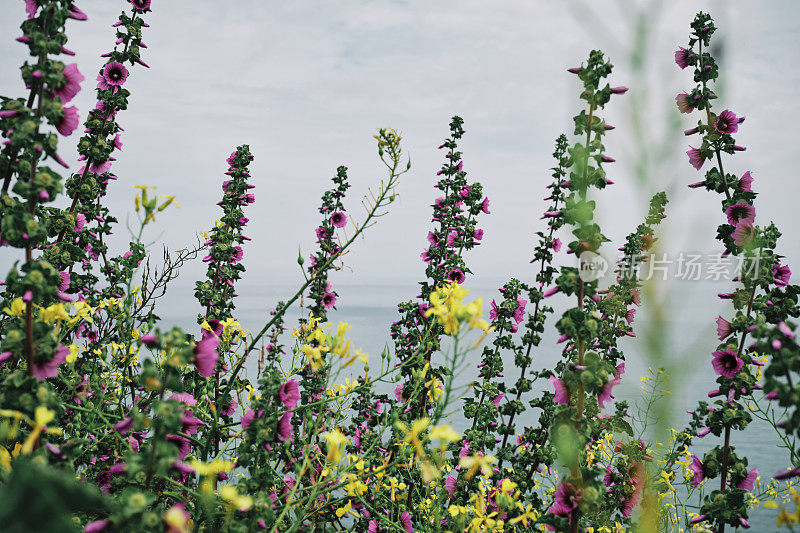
(336, 442)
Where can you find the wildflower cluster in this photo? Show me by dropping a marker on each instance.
(112, 420)
(736, 364)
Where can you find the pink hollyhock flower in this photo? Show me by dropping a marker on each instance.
(432, 238)
(405, 521)
(485, 206)
(682, 101)
(425, 256)
(698, 519)
(206, 356)
(696, 158)
(184, 397)
(141, 5)
(456, 275)
(97, 525)
(699, 472)
(567, 498)
(149, 340)
(562, 392)
(727, 122)
(398, 393)
(285, 428)
(782, 274)
(238, 254)
(726, 363)
(64, 285)
(741, 211)
(787, 474)
(636, 296)
(228, 411)
(182, 443)
(723, 328)
(290, 394)
(748, 482)
(190, 423)
(493, 310)
(372, 527)
(636, 476)
(682, 57)
(746, 181)
(450, 486)
(477, 235)
(72, 83)
(548, 293)
(786, 330)
(68, 121)
(556, 245)
(75, 13)
(606, 395)
(49, 369)
(329, 300)
(743, 233)
(247, 418)
(31, 6)
(629, 316)
(451, 238)
(124, 426)
(114, 74)
(216, 328)
(339, 219)
(519, 312)
(497, 399)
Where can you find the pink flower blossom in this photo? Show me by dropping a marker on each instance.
(743, 233)
(567, 498)
(746, 181)
(696, 158)
(741, 211)
(682, 57)
(339, 219)
(113, 74)
(606, 395)
(49, 369)
(68, 121)
(206, 356)
(727, 122)
(405, 521)
(562, 392)
(289, 394)
(699, 472)
(781, 274)
(285, 428)
(682, 101)
(726, 363)
(485, 206)
(723, 328)
(72, 83)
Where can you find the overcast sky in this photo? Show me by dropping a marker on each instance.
(306, 85)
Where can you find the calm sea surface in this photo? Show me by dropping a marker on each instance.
(688, 340)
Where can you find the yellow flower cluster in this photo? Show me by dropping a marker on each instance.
(318, 342)
(447, 304)
(785, 518)
(42, 416)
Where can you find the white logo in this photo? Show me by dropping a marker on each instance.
(592, 266)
